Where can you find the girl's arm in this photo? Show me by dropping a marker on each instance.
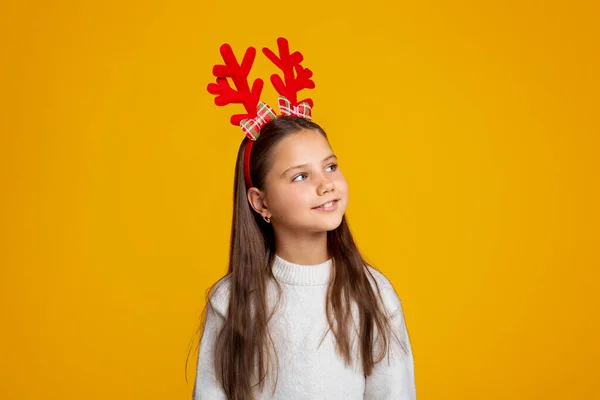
(393, 378)
(206, 386)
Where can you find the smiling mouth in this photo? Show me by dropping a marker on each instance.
(327, 206)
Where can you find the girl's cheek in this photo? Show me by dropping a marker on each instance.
(340, 177)
(341, 182)
(296, 196)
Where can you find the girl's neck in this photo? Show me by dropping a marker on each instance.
(304, 250)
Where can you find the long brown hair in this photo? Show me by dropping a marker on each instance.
(243, 344)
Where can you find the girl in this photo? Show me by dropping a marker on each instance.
(299, 314)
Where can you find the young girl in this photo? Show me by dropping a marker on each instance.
(299, 314)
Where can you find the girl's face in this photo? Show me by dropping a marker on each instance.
(303, 177)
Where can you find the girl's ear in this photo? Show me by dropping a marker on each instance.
(257, 201)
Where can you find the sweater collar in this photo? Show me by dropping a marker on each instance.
(302, 275)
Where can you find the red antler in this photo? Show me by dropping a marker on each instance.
(296, 77)
(238, 73)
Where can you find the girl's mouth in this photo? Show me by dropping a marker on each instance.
(330, 206)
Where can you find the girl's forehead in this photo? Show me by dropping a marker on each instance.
(305, 146)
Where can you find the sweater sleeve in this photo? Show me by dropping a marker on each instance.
(393, 378)
(206, 386)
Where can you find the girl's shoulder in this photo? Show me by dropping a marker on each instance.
(378, 278)
(219, 295)
(381, 283)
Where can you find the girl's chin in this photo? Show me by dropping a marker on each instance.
(330, 223)
(315, 222)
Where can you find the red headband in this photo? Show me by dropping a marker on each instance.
(258, 114)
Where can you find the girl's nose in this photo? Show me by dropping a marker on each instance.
(325, 186)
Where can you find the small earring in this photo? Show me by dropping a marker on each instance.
(267, 219)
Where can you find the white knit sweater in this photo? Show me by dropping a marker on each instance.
(307, 370)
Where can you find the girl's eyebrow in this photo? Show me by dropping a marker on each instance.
(305, 165)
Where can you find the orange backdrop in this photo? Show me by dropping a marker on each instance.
(472, 164)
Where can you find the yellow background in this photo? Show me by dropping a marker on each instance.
(467, 131)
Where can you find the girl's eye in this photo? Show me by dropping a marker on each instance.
(298, 176)
(330, 168)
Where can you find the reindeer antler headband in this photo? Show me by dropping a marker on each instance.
(258, 114)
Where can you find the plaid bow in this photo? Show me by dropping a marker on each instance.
(302, 110)
(252, 126)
